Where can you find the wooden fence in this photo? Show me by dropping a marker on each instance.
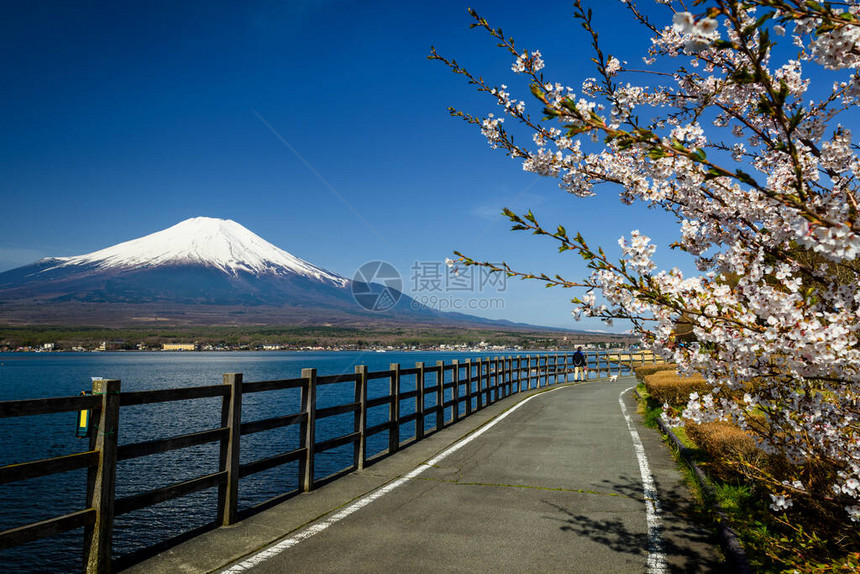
(472, 384)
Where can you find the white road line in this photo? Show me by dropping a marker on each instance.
(319, 526)
(656, 552)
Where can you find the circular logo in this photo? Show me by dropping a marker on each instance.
(376, 286)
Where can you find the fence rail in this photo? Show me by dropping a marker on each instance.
(473, 385)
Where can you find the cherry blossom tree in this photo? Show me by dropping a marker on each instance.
(761, 175)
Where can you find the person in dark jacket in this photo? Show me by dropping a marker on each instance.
(579, 365)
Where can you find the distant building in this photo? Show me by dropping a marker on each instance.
(110, 346)
(179, 347)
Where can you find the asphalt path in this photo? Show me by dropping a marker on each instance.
(551, 481)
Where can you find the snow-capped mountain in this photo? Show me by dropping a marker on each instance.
(201, 271)
(218, 243)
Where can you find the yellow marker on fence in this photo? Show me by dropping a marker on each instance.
(83, 429)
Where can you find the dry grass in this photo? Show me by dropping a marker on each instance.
(644, 370)
(813, 535)
(724, 444)
(669, 387)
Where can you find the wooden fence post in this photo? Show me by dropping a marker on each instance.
(521, 377)
(360, 454)
(492, 379)
(498, 379)
(309, 406)
(468, 387)
(485, 382)
(419, 405)
(98, 538)
(231, 417)
(488, 383)
(440, 395)
(529, 373)
(516, 380)
(394, 409)
(479, 400)
(455, 376)
(506, 380)
(539, 370)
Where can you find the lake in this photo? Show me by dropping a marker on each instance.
(40, 375)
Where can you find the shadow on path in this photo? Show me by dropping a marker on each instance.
(688, 546)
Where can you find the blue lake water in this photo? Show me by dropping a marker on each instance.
(40, 375)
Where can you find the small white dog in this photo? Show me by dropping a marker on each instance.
(613, 378)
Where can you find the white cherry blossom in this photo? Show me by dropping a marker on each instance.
(763, 181)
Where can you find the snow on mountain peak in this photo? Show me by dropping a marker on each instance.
(220, 243)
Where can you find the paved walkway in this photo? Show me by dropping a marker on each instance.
(546, 481)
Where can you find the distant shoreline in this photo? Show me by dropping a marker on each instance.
(300, 338)
(325, 350)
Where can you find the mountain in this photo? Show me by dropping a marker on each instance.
(204, 271)
(205, 242)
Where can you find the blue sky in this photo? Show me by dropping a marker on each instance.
(319, 125)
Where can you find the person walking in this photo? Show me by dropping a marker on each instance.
(580, 367)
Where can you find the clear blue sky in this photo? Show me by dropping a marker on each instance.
(122, 119)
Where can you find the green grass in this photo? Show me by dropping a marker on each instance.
(737, 500)
(734, 498)
(648, 407)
